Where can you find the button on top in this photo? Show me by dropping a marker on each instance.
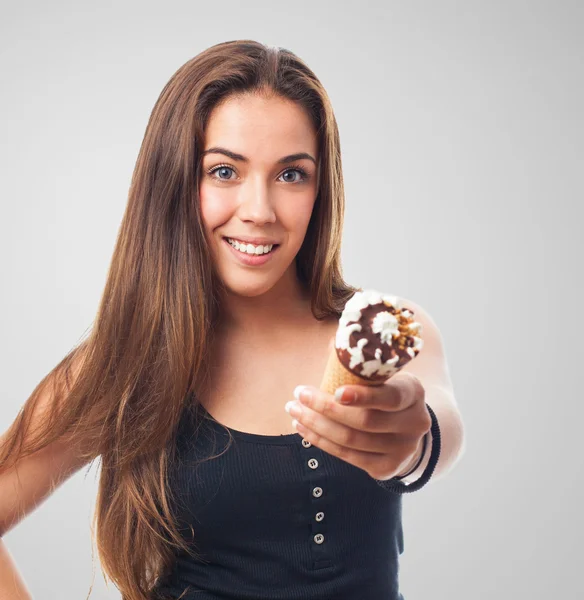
(306, 443)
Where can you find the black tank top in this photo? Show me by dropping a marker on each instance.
(275, 517)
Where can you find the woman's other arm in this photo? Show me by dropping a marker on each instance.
(12, 586)
(23, 487)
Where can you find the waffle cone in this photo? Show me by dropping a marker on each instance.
(336, 375)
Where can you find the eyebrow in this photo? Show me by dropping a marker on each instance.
(240, 157)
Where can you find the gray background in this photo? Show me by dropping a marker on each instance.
(462, 140)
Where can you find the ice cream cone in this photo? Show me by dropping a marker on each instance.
(376, 337)
(336, 375)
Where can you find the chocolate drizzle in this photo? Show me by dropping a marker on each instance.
(397, 346)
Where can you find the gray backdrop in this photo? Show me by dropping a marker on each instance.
(461, 130)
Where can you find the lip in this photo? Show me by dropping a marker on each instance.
(256, 241)
(250, 259)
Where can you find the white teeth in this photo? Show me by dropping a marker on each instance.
(249, 248)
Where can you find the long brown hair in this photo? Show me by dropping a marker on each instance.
(146, 354)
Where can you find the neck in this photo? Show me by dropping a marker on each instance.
(285, 305)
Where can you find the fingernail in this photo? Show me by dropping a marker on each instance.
(298, 390)
(339, 396)
(293, 408)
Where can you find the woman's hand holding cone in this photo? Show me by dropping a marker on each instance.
(381, 431)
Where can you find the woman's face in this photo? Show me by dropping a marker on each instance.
(263, 196)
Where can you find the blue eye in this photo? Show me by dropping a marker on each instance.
(304, 176)
(223, 168)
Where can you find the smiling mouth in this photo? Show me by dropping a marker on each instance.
(251, 249)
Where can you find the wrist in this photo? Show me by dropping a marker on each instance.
(416, 458)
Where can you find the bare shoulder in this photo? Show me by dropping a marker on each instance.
(25, 484)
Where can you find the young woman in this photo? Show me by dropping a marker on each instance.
(223, 296)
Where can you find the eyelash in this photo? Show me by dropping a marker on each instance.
(303, 172)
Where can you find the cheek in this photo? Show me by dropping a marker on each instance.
(293, 213)
(214, 209)
(297, 216)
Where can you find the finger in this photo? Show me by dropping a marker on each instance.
(396, 394)
(344, 435)
(361, 419)
(376, 464)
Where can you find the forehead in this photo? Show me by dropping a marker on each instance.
(261, 127)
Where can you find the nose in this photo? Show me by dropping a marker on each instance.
(255, 204)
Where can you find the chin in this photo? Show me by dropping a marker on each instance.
(249, 289)
(251, 282)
